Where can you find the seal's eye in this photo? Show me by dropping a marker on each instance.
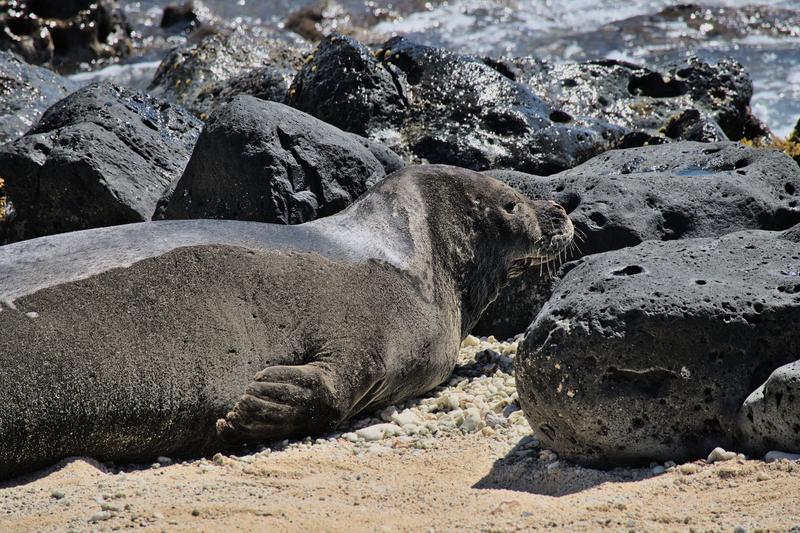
(509, 207)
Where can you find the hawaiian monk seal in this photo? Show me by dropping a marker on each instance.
(181, 337)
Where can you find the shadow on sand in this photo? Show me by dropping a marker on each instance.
(522, 470)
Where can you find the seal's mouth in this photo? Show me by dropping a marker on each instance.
(519, 266)
(555, 249)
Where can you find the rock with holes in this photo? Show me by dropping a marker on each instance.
(770, 417)
(647, 353)
(264, 161)
(25, 92)
(200, 76)
(443, 107)
(692, 100)
(665, 192)
(102, 156)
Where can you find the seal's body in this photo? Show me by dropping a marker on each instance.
(181, 337)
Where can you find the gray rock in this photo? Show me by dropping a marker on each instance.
(430, 104)
(770, 417)
(102, 156)
(666, 192)
(199, 76)
(647, 100)
(25, 92)
(266, 83)
(647, 353)
(775, 455)
(264, 161)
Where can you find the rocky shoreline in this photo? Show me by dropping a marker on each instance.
(666, 335)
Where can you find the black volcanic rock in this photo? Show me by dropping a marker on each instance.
(433, 105)
(647, 353)
(25, 92)
(264, 161)
(643, 99)
(200, 76)
(102, 156)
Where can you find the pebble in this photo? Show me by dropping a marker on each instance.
(470, 341)
(58, 494)
(100, 516)
(777, 456)
(472, 421)
(378, 431)
(111, 507)
(658, 470)
(407, 417)
(494, 420)
(688, 469)
(719, 454)
(164, 461)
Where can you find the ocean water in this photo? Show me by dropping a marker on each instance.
(766, 40)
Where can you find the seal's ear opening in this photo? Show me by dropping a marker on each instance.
(510, 207)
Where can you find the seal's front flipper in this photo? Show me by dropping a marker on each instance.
(283, 401)
(309, 399)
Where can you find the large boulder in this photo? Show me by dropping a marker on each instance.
(438, 106)
(665, 192)
(647, 353)
(264, 161)
(202, 75)
(65, 33)
(102, 156)
(692, 100)
(25, 92)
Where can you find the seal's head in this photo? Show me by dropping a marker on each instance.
(482, 231)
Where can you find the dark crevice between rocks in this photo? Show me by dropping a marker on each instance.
(397, 84)
(653, 84)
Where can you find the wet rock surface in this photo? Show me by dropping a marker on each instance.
(100, 157)
(661, 102)
(201, 75)
(65, 33)
(770, 417)
(345, 85)
(647, 353)
(438, 106)
(25, 92)
(264, 161)
(666, 192)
